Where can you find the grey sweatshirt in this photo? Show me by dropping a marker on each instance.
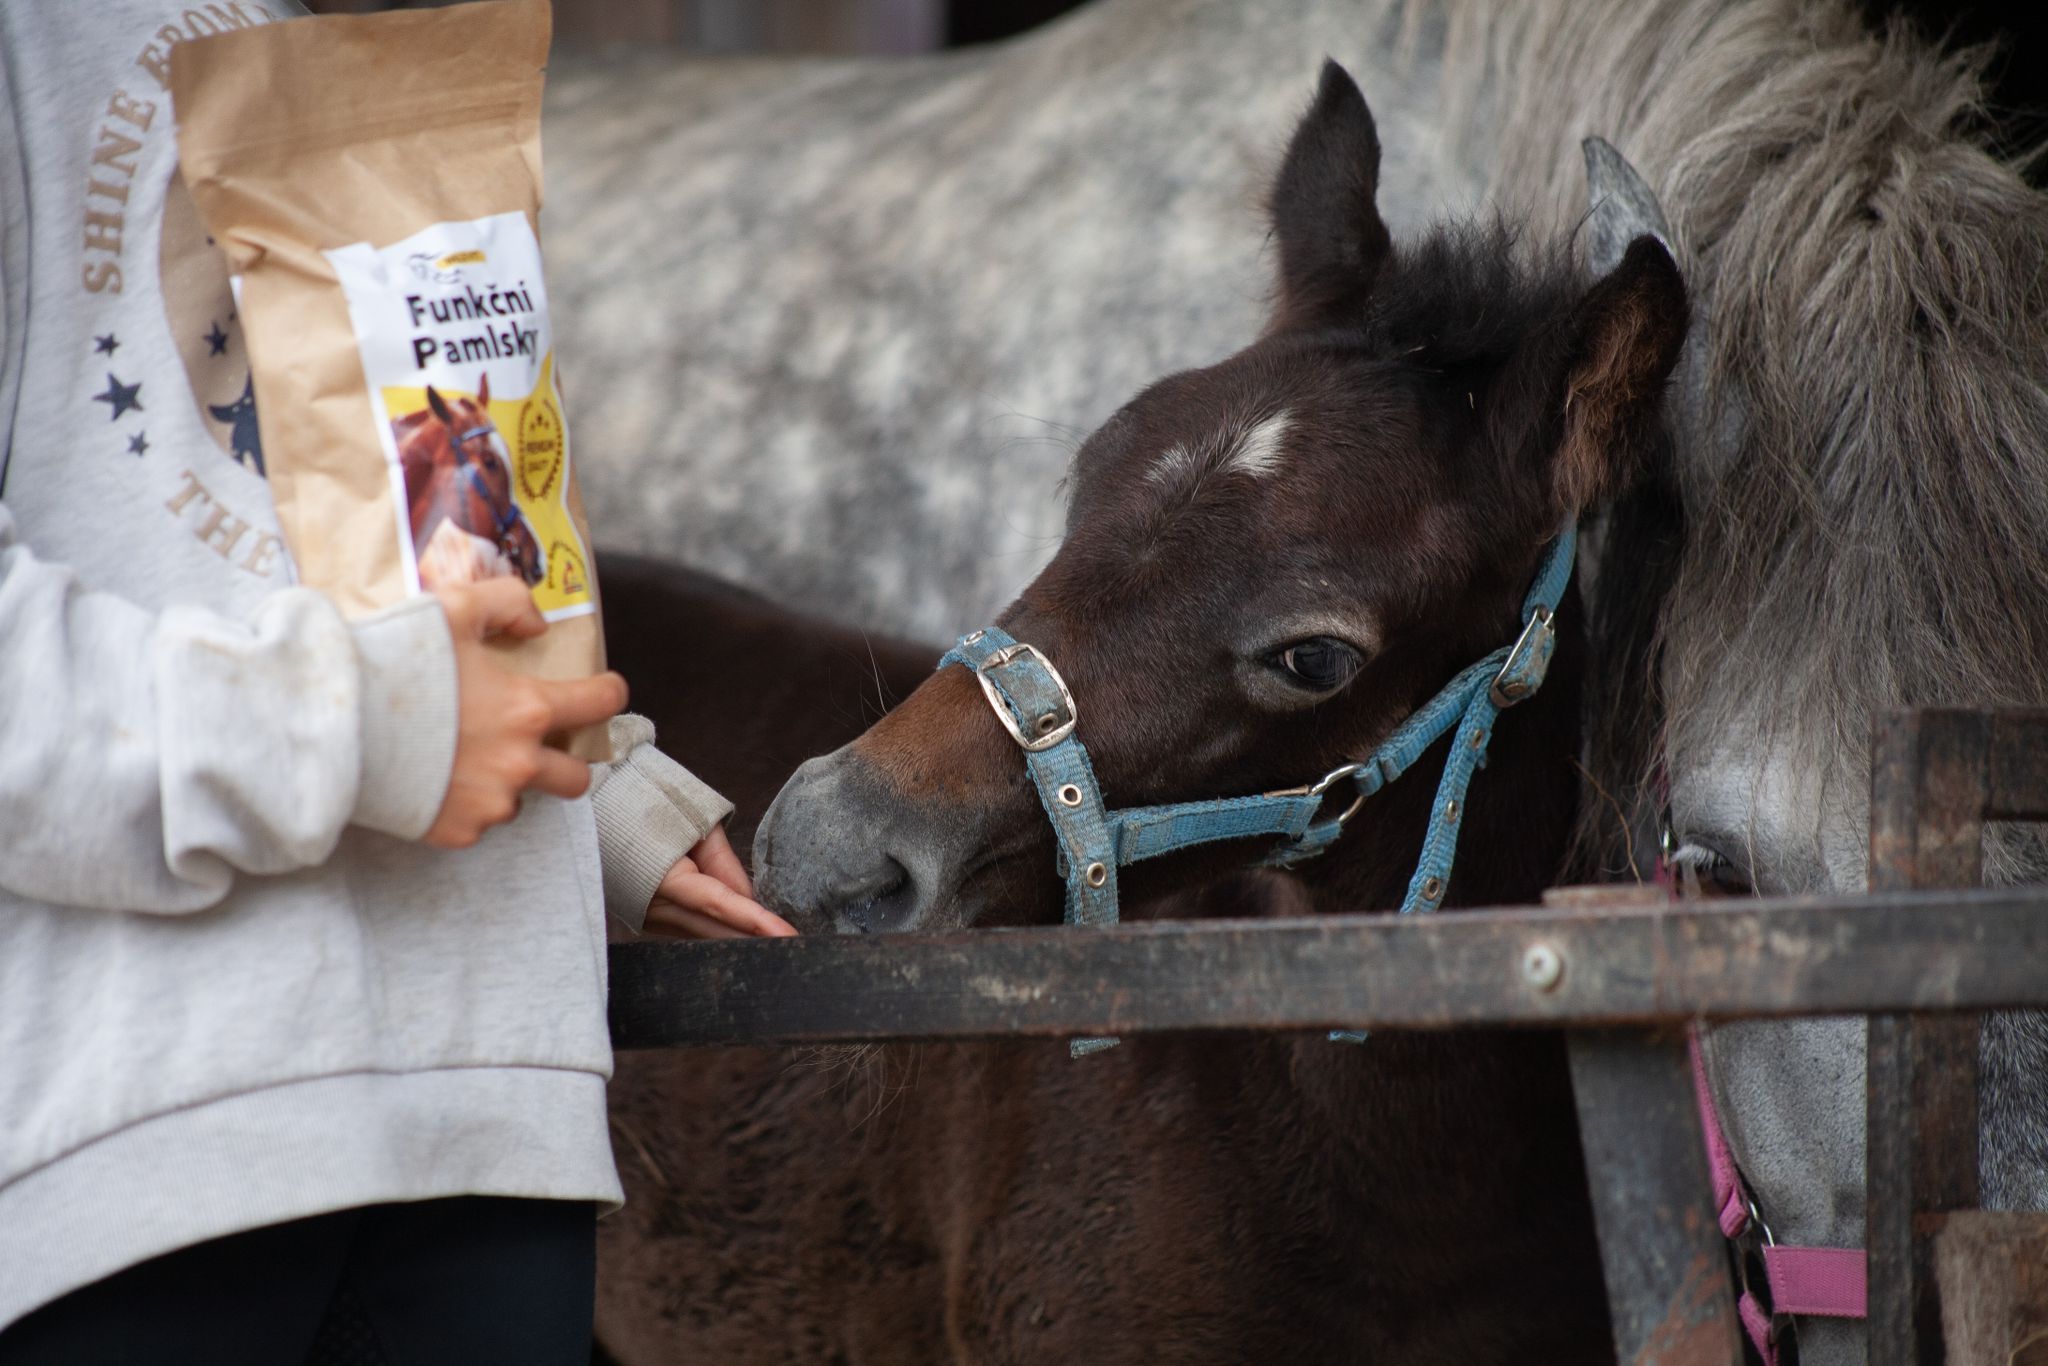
(234, 989)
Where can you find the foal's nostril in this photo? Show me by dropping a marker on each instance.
(881, 904)
(838, 853)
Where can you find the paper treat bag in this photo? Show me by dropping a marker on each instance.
(375, 181)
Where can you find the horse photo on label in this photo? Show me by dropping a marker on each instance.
(465, 521)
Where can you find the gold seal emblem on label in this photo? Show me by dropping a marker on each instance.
(540, 445)
(566, 573)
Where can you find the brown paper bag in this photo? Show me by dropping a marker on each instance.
(375, 181)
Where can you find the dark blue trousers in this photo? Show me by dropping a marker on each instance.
(496, 1282)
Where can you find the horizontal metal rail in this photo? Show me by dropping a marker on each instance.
(1894, 951)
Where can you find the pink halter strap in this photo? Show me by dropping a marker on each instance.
(1828, 1281)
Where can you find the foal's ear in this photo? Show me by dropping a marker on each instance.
(1332, 241)
(440, 406)
(1624, 339)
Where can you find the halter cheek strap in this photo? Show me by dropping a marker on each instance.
(1471, 703)
(1033, 704)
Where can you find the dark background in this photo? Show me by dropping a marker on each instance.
(2019, 95)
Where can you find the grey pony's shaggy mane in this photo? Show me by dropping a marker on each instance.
(1867, 511)
(1860, 430)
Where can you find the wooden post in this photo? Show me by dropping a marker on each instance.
(1930, 790)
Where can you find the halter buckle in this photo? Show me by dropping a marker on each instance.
(1528, 660)
(1032, 744)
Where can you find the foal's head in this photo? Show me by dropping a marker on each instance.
(1270, 562)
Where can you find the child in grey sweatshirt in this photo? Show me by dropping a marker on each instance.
(236, 988)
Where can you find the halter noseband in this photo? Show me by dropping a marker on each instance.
(1033, 704)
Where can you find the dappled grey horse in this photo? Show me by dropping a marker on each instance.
(834, 325)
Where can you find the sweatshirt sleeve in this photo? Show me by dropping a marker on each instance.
(147, 758)
(650, 812)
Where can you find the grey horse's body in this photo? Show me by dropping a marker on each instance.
(836, 326)
(831, 325)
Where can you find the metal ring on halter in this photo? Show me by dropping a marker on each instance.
(1324, 784)
(1756, 1218)
(1032, 744)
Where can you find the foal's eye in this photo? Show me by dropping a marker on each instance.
(1320, 662)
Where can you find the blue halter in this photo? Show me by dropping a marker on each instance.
(1032, 701)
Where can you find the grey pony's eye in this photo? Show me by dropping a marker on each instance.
(1320, 663)
(1700, 865)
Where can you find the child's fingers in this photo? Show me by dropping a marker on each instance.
(560, 775)
(665, 917)
(583, 701)
(696, 891)
(489, 607)
(715, 856)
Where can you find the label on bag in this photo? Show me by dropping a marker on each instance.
(452, 323)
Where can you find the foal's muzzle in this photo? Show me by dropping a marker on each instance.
(837, 853)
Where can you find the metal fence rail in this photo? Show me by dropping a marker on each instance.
(1913, 951)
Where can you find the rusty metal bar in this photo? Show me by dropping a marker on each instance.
(1931, 788)
(2018, 783)
(1670, 1297)
(1669, 1294)
(1800, 956)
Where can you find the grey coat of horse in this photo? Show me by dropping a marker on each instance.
(832, 323)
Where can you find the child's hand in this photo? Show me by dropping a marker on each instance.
(707, 895)
(502, 717)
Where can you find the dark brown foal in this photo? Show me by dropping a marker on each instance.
(1268, 565)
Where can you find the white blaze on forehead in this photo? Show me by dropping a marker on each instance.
(1258, 451)
(1177, 466)
(1254, 451)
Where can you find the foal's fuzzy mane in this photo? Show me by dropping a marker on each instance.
(1870, 526)
(1467, 291)
(1461, 296)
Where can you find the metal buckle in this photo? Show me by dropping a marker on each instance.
(1756, 1217)
(1504, 691)
(1753, 1269)
(1324, 784)
(996, 701)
